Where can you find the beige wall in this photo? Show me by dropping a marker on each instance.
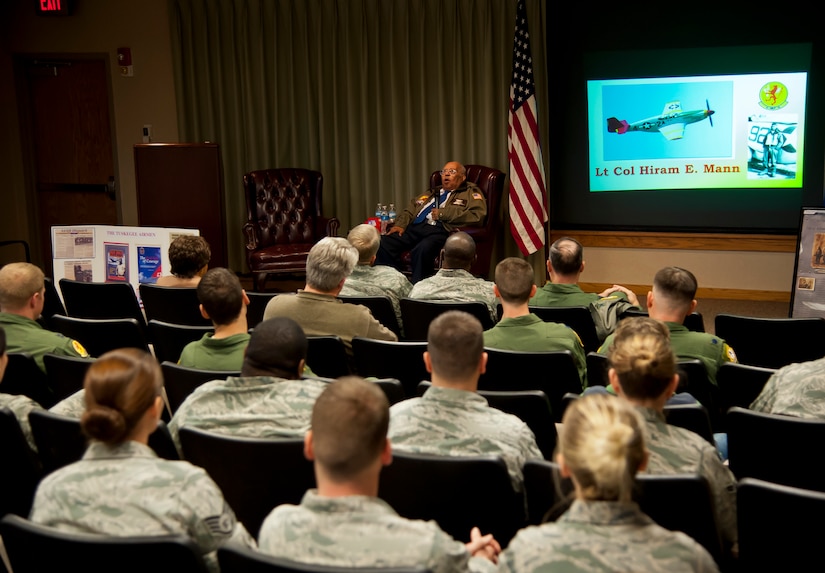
(96, 27)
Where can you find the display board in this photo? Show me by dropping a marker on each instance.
(106, 253)
(808, 290)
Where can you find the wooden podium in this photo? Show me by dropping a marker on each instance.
(181, 185)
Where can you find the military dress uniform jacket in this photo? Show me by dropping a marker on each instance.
(457, 285)
(607, 536)
(126, 490)
(675, 450)
(26, 335)
(360, 531)
(529, 333)
(466, 206)
(711, 350)
(795, 390)
(452, 422)
(249, 406)
(210, 353)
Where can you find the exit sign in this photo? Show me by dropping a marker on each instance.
(53, 7)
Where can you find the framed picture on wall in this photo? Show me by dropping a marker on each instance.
(808, 289)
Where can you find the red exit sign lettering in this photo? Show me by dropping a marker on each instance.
(53, 7)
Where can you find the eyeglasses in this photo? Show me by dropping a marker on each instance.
(449, 171)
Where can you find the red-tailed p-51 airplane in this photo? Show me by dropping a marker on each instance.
(671, 123)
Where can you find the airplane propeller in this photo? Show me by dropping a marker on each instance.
(710, 112)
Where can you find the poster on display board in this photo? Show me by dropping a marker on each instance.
(808, 289)
(108, 253)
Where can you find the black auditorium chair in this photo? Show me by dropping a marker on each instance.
(24, 377)
(99, 336)
(101, 300)
(237, 559)
(34, 548)
(739, 385)
(180, 381)
(772, 342)
(416, 315)
(380, 307)
(576, 317)
(176, 305)
(387, 359)
(327, 356)
(256, 307)
(65, 373)
(255, 475)
(554, 373)
(448, 489)
(21, 469)
(169, 339)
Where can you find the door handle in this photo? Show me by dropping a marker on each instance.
(111, 188)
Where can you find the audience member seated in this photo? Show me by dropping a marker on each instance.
(22, 292)
(316, 309)
(451, 418)
(565, 265)
(670, 301)
(120, 487)
(189, 258)
(19, 405)
(343, 523)
(520, 330)
(643, 372)
(453, 281)
(366, 278)
(423, 226)
(268, 400)
(795, 390)
(223, 301)
(601, 450)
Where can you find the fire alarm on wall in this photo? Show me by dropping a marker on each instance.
(124, 61)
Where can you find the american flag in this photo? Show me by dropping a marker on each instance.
(528, 196)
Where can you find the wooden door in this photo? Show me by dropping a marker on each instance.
(71, 141)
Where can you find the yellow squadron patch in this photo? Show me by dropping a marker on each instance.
(730, 354)
(79, 349)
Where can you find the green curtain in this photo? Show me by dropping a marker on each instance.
(375, 94)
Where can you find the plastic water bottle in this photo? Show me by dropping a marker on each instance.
(385, 219)
(378, 211)
(392, 213)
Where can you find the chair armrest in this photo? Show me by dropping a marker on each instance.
(251, 237)
(330, 226)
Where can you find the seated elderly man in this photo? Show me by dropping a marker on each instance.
(316, 309)
(424, 225)
(368, 279)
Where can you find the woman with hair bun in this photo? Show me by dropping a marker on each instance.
(120, 487)
(601, 448)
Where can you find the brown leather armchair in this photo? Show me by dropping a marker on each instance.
(491, 183)
(284, 220)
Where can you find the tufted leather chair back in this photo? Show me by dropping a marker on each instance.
(284, 205)
(284, 219)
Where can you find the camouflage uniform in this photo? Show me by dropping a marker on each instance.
(552, 294)
(529, 333)
(211, 353)
(359, 531)
(457, 285)
(26, 335)
(20, 407)
(795, 390)
(711, 350)
(322, 314)
(674, 450)
(72, 406)
(452, 422)
(250, 406)
(126, 490)
(604, 536)
(378, 281)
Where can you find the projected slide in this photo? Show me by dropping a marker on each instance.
(708, 132)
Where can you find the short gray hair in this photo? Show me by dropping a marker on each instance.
(366, 239)
(330, 261)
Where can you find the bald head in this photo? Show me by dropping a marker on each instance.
(459, 251)
(566, 257)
